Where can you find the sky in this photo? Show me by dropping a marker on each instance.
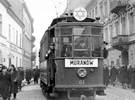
(43, 12)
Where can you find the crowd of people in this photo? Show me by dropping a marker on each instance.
(11, 80)
(124, 76)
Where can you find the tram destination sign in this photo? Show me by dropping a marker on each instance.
(81, 62)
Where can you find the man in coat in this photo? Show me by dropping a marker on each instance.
(20, 77)
(52, 66)
(36, 75)
(14, 82)
(5, 83)
(106, 76)
(113, 75)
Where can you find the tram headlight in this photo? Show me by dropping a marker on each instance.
(82, 72)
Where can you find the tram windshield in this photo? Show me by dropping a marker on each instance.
(78, 41)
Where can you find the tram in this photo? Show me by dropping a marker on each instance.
(75, 67)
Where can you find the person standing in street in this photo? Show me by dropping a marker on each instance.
(14, 81)
(1, 67)
(36, 75)
(113, 75)
(20, 77)
(106, 76)
(5, 83)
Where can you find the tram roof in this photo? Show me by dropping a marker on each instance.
(70, 19)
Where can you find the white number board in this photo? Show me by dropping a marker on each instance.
(81, 62)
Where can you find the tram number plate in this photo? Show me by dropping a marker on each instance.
(81, 82)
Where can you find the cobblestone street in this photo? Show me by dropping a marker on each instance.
(33, 92)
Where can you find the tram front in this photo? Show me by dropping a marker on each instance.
(79, 58)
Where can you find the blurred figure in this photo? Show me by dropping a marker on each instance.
(20, 77)
(14, 80)
(28, 75)
(106, 76)
(36, 75)
(1, 67)
(133, 79)
(5, 83)
(129, 71)
(113, 75)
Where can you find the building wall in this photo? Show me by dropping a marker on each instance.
(27, 38)
(10, 39)
(113, 26)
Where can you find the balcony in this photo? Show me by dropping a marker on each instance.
(118, 6)
(120, 42)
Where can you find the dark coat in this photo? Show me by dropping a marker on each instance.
(113, 74)
(20, 75)
(28, 74)
(133, 79)
(106, 75)
(130, 71)
(52, 66)
(124, 75)
(36, 73)
(5, 84)
(14, 82)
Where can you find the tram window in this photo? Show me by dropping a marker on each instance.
(66, 50)
(66, 31)
(80, 42)
(81, 30)
(96, 31)
(81, 53)
(96, 46)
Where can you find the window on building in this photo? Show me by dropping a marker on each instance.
(93, 13)
(96, 12)
(117, 28)
(131, 23)
(17, 62)
(111, 32)
(9, 32)
(17, 38)
(101, 10)
(105, 8)
(123, 21)
(20, 40)
(106, 34)
(20, 62)
(0, 24)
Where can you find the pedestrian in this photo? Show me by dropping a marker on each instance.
(1, 67)
(20, 77)
(5, 83)
(106, 76)
(36, 75)
(14, 81)
(124, 77)
(113, 75)
(28, 75)
(129, 71)
(133, 79)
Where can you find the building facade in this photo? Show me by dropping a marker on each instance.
(16, 28)
(118, 17)
(27, 38)
(11, 29)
